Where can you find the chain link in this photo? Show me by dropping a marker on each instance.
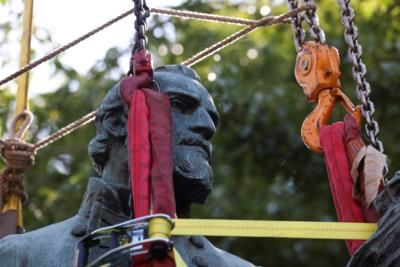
(359, 69)
(297, 28)
(359, 72)
(310, 16)
(142, 12)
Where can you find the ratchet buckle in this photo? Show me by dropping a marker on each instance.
(134, 241)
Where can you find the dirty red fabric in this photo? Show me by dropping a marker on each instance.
(353, 143)
(341, 183)
(139, 153)
(166, 262)
(150, 146)
(150, 149)
(161, 183)
(160, 124)
(132, 83)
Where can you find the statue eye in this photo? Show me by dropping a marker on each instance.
(183, 103)
(178, 104)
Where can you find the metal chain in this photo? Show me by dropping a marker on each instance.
(311, 18)
(142, 12)
(297, 28)
(359, 72)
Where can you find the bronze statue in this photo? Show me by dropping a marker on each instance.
(106, 200)
(382, 249)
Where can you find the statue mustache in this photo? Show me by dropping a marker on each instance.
(188, 139)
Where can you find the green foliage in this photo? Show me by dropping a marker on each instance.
(262, 169)
(58, 180)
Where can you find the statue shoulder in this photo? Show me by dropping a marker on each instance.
(199, 251)
(48, 246)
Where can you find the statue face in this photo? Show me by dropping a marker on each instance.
(195, 119)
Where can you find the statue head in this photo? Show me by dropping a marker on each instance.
(194, 118)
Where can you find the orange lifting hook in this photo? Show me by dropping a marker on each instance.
(317, 71)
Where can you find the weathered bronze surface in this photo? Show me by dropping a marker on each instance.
(106, 201)
(382, 249)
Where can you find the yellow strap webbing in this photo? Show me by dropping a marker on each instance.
(283, 229)
(179, 262)
(14, 203)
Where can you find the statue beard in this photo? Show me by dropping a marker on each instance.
(192, 174)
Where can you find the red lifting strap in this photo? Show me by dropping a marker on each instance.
(341, 183)
(160, 124)
(140, 155)
(354, 143)
(150, 147)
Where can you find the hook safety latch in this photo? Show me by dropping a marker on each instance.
(133, 241)
(317, 72)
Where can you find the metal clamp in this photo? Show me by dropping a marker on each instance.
(136, 240)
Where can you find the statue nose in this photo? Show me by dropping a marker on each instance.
(203, 124)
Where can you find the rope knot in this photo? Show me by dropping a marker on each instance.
(18, 156)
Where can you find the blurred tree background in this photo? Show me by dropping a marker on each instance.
(262, 170)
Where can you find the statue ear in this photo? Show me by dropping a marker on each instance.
(114, 122)
(98, 150)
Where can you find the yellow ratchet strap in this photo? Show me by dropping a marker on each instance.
(179, 262)
(281, 229)
(161, 227)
